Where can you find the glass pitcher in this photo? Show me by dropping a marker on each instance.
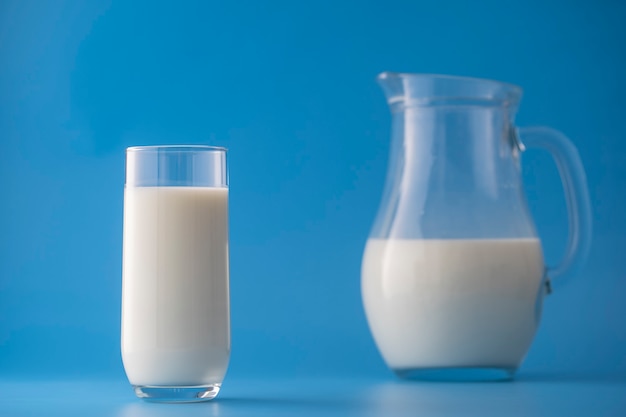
(453, 277)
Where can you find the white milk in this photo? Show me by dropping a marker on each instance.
(175, 304)
(452, 303)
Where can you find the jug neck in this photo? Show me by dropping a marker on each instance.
(454, 169)
(405, 90)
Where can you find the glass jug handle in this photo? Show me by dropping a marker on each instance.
(576, 193)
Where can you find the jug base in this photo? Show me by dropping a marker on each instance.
(457, 374)
(183, 394)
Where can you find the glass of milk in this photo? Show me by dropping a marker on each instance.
(175, 292)
(453, 276)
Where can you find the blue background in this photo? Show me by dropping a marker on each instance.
(289, 88)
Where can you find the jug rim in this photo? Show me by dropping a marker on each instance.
(430, 88)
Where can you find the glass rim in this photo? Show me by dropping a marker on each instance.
(176, 148)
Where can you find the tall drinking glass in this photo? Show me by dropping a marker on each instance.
(175, 293)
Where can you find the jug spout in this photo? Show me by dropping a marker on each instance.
(392, 84)
(410, 90)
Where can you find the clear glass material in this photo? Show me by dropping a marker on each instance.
(175, 291)
(453, 276)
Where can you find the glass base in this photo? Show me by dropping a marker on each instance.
(460, 374)
(182, 394)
